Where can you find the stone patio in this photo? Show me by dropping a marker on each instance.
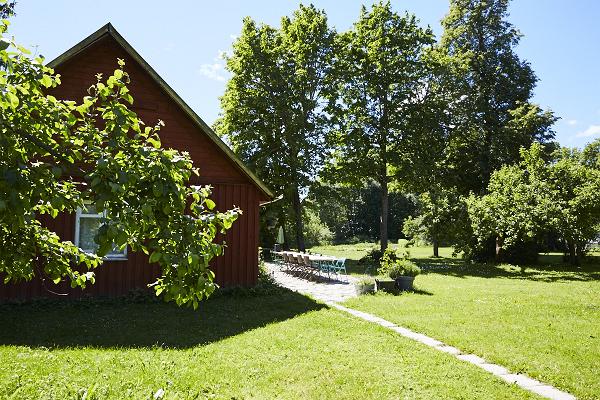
(336, 290)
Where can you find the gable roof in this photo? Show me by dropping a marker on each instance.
(110, 30)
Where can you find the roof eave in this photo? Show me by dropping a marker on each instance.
(110, 30)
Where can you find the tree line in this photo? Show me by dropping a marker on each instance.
(315, 112)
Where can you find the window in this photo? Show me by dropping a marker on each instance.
(87, 223)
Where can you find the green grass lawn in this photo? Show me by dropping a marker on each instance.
(271, 346)
(543, 320)
(354, 252)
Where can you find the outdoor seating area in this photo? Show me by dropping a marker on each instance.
(311, 266)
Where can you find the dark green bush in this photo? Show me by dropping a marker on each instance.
(373, 257)
(403, 268)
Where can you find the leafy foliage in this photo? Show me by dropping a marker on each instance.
(436, 221)
(373, 257)
(403, 268)
(353, 212)
(7, 9)
(315, 231)
(378, 79)
(394, 265)
(491, 87)
(273, 104)
(591, 155)
(479, 117)
(536, 196)
(57, 155)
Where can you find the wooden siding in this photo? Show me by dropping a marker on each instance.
(239, 264)
(150, 103)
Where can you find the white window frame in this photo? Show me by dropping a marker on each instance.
(78, 216)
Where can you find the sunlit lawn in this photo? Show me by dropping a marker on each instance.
(354, 252)
(271, 346)
(543, 320)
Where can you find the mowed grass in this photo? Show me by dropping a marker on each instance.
(282, 346)
(354, 252)
(542, 320)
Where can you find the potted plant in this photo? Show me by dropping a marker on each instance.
(388, 259)
(400, 270)
(403, 273)
(365, 285)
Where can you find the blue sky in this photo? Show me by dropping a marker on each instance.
(182, 41)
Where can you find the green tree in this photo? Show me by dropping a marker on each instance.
(435, 222)
(7, 9)
(591, 154)
(491, 86)
(537, 196)
(351, 213)
(56, 156)
(273, 105)
(376, 96)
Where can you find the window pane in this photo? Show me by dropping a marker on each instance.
(88, 227)
(116, 253)
(89, 209)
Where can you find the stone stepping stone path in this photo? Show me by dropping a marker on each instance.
(520, 380)
(335, 292)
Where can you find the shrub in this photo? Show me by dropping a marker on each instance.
(388, 260)
(366, 282)
(316, 233)
(394, 266)
(403, 268)
(403, 242)
(528, 200)
(373, 257)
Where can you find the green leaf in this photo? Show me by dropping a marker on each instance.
(4, 43)
(155, 256)
(210, 204)
(46, 81)
(12, 99)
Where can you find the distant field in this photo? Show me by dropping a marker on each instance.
(354, 252)
(424, 254)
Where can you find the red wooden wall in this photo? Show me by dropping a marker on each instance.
(239, 264)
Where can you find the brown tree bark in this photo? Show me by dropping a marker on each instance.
(436, 248)
(383, 226)
(573, 256)
(297, 204)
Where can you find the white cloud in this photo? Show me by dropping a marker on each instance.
(213, 71)
(592, 130)
(572, 122)
(233, 37)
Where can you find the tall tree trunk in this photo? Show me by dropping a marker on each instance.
(383, 226)
(286, 240)
(298, 218)
(573, 256)
(436, 248)
(499, 244)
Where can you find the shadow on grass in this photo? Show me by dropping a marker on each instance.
(114, 323)
(421, 292)
(355, 267)
(549, 269)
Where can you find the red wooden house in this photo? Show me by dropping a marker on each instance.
(233, 183)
